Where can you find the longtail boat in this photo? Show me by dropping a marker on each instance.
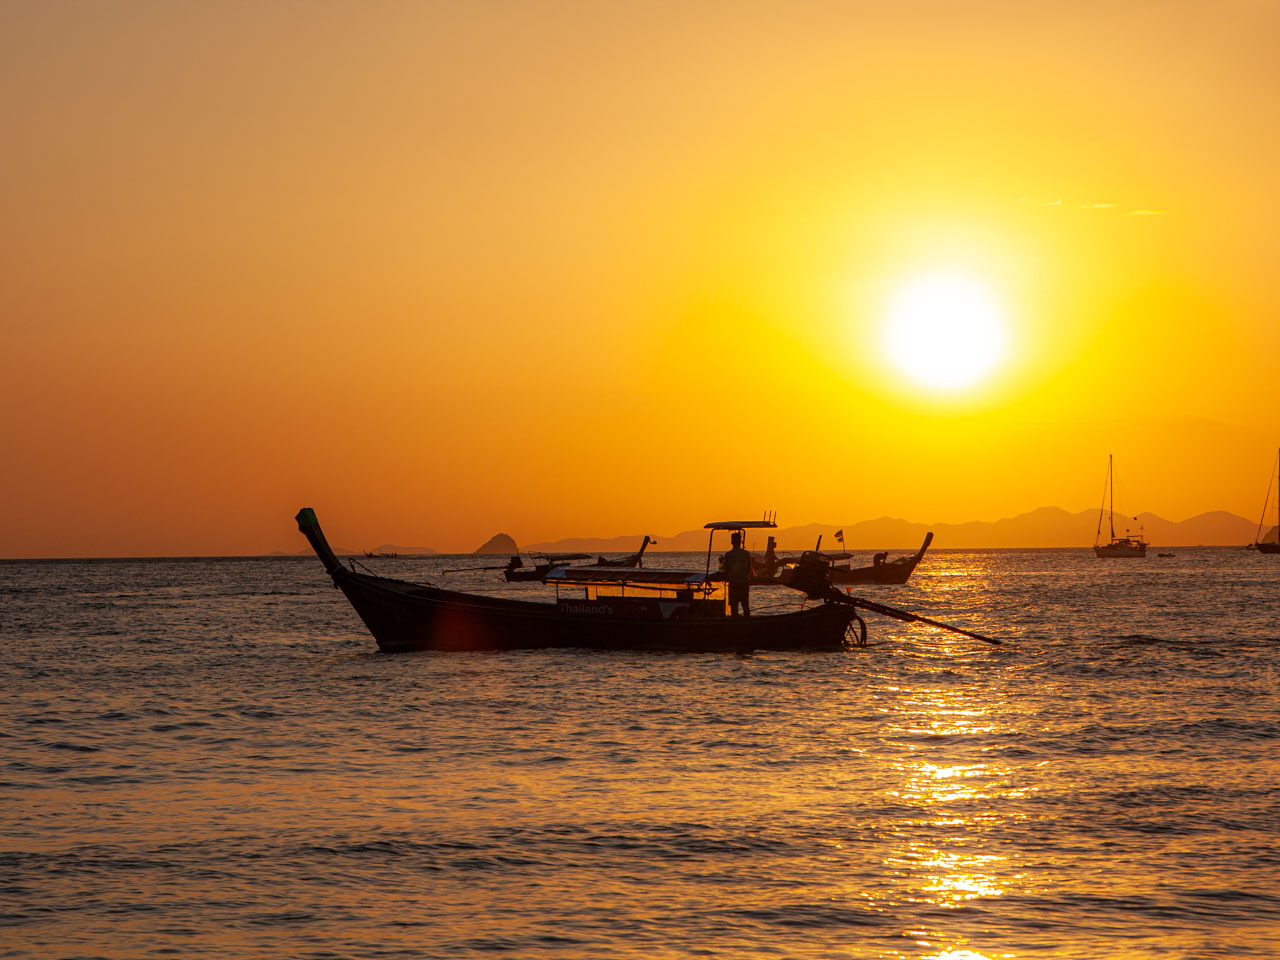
(515, 571)
(882, 569)
(631, 560)
(543, 564)
(618, 609)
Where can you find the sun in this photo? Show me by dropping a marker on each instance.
(945, 331)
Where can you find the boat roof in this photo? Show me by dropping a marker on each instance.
(562, 556)
(584, 575)
(737, 524)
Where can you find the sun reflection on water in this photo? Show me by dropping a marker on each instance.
(955, 951)
(951, 786)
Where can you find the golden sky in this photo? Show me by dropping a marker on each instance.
(580, 269)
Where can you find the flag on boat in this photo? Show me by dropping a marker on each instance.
(840, 534)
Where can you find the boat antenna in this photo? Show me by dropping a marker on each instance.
(1270, 482)
(1106, 485)
(1111, 472)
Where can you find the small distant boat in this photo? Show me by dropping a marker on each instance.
(515, 570)
(1126, 546)
(632, 561)
(1164, 555)
(371, 553)
(1269, 546)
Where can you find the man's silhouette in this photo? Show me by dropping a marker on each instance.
(737, 569)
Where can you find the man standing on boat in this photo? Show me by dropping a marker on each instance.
(737, 570)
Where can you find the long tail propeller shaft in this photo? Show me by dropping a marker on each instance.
(906, 616)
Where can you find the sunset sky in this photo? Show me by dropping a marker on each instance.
(586, 269)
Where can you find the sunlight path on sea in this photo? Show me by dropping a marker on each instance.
(208, 758)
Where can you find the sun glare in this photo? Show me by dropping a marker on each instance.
(945, 331)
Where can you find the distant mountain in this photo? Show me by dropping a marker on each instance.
(1044, 527)
(499, 543)
(1216, 528)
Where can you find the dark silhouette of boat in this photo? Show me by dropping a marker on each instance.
(882, 569)
(1269, 546)
(683, 612)
(631, 560)
(668, 610)
(1126, 546)
(515, 570)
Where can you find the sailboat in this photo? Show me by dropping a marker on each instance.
(1269, 546)
(1126, 546)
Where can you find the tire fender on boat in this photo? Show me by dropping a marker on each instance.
(856, 632)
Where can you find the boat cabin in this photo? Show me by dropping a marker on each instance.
(656, 594)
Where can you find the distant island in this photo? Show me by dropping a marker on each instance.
(499, 544)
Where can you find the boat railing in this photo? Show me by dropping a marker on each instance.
(619, 581)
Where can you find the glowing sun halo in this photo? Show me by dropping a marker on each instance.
(944, 331)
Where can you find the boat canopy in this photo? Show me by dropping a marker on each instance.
(627, 575)
(738, 524)
(558, 557)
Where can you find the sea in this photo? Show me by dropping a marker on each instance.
(209, 758)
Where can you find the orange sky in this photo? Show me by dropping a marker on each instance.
(579, 269)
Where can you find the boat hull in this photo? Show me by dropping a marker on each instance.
(1267, 547)
(405, 616)
(895, 571)
(1117, 550)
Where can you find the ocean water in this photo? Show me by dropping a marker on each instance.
(208, 758)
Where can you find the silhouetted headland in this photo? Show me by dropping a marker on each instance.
(499, 543)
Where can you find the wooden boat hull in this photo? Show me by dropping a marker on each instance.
(885, 573)
(406, 616)
(1267, 547)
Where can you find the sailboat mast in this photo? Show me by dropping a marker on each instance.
(1111, 478)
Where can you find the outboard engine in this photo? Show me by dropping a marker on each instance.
(812, 574)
